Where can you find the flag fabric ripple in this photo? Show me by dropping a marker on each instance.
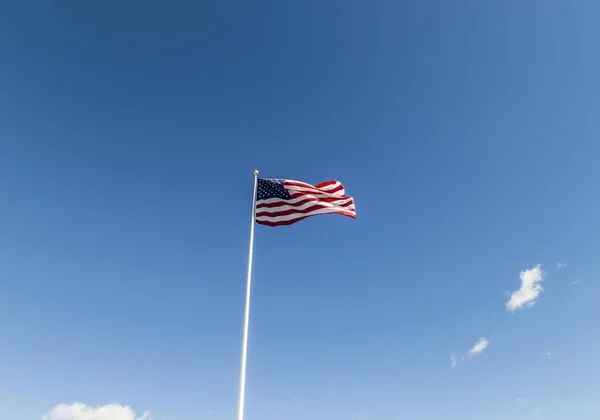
(283, 202)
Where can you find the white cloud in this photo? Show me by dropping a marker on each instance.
(479, 347)
(80, 411)
(576, 282)
(547, 355)
(452, 361)
(561, 264)
(529, 291)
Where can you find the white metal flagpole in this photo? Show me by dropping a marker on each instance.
(242, 394)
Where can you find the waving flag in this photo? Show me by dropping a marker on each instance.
(278, 202)
(283, 202)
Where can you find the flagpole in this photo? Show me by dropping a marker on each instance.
(242, 393)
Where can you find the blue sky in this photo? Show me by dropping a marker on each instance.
(467, 132)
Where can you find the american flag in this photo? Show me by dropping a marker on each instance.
(283, 202)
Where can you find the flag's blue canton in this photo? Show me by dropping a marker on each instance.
(271, 188)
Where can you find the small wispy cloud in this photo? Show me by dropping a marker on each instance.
(476, 350)
(576, 282)
(358, 416)
(79, 411)
(561, 264)
(479, 347)
(547, 355)
(529, 291)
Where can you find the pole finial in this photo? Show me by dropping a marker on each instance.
(256, 172)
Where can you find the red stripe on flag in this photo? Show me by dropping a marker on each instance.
(302, 211)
